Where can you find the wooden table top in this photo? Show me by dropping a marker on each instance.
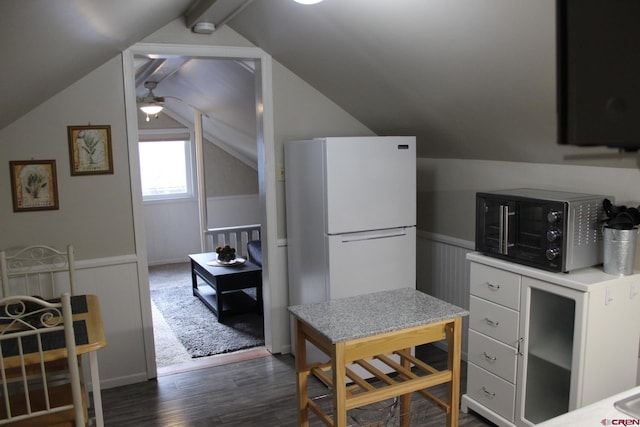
(95, 337)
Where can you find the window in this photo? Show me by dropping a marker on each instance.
(165, 169)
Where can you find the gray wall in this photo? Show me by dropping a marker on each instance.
(95, 211)
(447, 187)
(225, 175)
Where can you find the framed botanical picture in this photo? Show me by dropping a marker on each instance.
(33, 185)
(90, 150)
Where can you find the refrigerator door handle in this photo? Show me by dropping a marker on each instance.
(372, 235)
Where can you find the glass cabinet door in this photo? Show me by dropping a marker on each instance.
(547, 369)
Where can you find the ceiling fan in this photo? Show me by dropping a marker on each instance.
(150, 104)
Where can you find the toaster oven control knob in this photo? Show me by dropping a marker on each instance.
(553, 217)
(553, 235)
(553, 253)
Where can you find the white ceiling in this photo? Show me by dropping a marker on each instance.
(469, 78)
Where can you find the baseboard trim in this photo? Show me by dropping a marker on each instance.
(125, 380)
(168, 261)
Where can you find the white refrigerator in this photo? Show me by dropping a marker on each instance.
(351, 216)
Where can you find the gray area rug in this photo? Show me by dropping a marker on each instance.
(198, 329)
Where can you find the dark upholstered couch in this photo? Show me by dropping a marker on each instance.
(254, 248)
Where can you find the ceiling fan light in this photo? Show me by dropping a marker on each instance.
(151, 109)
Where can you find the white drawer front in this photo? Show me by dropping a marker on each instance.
(495, 285)
(494, 320)
(493, 356)
(491, 391)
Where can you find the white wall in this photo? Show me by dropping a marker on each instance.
(447, 187)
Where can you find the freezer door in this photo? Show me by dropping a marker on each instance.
(361, 263)
(370, 183)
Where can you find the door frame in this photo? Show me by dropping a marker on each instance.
(266, 182)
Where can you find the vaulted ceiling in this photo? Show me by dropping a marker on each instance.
(47, 45)
(223, 90)
(469, 78)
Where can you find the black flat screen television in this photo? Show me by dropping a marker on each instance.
(598, 59)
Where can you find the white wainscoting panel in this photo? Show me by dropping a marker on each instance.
(230, 211)
(115, 282)
(279, 301)
(443, 271)
(172, 230)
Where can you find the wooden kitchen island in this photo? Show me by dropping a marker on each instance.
(383, 326)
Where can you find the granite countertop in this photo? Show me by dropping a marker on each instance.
(360, 316)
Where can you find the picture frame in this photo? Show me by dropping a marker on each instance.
(90, 150)
(34, 185)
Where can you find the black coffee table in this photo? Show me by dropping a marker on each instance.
(224, 295)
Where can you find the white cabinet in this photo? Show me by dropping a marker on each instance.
(553, 331)
(542, 344)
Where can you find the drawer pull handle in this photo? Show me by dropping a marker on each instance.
(490, 358)
(492, 286)
(491, 322)
(488, 393)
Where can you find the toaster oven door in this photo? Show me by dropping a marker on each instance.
(534, 245)
(496, 226)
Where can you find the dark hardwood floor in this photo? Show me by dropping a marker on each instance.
(258, 392)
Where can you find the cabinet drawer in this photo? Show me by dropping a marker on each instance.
(493, 320)
(499, 286)
(493, 356)
(491, 391)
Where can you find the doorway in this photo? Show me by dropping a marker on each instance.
(239, 338)
(266, 176)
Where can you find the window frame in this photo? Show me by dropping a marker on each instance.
(159, 135)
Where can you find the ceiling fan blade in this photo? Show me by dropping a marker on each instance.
(171, 98)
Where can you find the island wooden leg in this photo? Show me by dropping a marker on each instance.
(405, 399)
(339, 386)
(454, 332)
(302, 375)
